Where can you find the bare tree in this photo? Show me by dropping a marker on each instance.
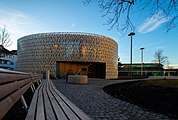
(5, 40)
(168, 65)
(123, 9)
(160, 58)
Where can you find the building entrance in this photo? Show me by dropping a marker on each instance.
(91, 69)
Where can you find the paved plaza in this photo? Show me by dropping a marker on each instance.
(100, 106)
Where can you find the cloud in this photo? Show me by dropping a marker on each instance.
(153, 23)
(174, 66)
(73, 25)
(18, 24)
(152, 44)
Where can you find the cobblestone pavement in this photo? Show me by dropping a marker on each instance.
(100, 106)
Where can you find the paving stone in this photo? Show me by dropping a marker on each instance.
(100, 106)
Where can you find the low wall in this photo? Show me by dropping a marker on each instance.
(163, 77)
(78, 79)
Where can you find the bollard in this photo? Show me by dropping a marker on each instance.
(47, 74)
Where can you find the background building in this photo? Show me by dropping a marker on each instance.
(8, 58)
(149, 69)
(171, 72)
(61, 53)
(8, 62)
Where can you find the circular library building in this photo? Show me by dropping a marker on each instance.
(65, 53)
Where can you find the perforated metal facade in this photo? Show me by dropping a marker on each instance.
(40, 52)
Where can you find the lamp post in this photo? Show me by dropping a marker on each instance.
(142, 60)
(131, 34)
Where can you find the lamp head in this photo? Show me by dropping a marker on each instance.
(142, 48)
(131, 34)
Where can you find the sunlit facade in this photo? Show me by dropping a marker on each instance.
(59, 52)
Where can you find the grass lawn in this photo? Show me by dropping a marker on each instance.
(168, 83)
(155, 95)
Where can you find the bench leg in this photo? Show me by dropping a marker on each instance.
(33, 86)
(24, 103)
(32, 89)
(38, 83)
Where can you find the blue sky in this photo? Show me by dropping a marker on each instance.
(23, 17)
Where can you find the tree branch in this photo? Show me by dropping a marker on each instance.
(117, 10)
(5, 38)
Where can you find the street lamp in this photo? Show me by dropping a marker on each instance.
(131, 34)
(142, 60)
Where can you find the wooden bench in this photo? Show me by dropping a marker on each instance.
(12, 87)
(49, 104)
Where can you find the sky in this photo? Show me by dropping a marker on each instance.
(25, 17)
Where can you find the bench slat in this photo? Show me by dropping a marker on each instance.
(79, 112)
(35, 78)
(49, 110)
(60, 114)
(9, 88)
(4, 78)
(32, 108)
(51, 106)
(70, 114)
(13, 85)
(12, 72)
(8, 102)
(40, 105)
